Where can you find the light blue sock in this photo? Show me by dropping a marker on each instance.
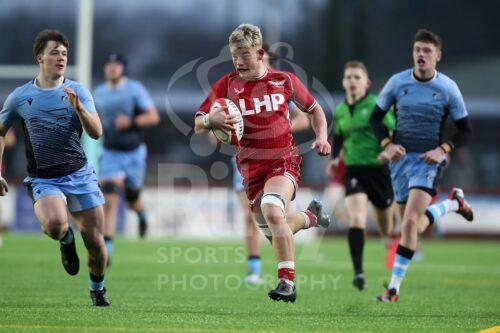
(254, 265)
(440, 209)
(398, 271)
(93, 285)
(109, 246)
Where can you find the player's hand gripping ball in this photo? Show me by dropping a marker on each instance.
(226, 120)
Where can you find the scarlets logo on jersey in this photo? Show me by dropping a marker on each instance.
(277, 83)
(270, 103)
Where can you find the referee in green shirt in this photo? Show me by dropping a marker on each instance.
(367, 179)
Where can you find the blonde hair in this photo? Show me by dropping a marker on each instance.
(356, 64)
(246, 36)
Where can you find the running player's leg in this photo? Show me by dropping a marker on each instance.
(357, 206)
(414, 223)
(134, 202)
(91, 225)
(381, 195)
(112, 190)
(135, 169)
(52, 214)
(295, 221)
(388, 226)
(421, 186)
(335, 192)
(385, 220)
(111, 178)
(277, 193)
(311, 217)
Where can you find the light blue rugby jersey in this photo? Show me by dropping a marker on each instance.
(51, 127)
(421, 107)
(129, 98)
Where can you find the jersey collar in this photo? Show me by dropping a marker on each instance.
(423, 81)
(359, 101)
(260, 77)
(120, 85)
(53, 88)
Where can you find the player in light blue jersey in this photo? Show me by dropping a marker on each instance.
(53, 112)
(125, 108)
(422, 99)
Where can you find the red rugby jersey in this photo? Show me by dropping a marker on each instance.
(263, 103)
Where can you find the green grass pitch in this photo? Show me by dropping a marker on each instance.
(188, 286)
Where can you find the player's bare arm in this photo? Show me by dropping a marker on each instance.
(318, 123)
(90, 121)
(218, 119)
(300, 120)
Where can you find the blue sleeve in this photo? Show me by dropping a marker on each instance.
(142, 98)
(97, 100)
(387, 96)
(9, 114)
(456, 103)
(86, 98)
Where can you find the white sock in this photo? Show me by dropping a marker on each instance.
(395, 283)
(451, 205)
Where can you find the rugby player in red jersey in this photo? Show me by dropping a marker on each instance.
(267, 156)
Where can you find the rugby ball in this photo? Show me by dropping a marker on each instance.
(229, 137)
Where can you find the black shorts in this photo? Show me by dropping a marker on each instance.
(374, 181)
